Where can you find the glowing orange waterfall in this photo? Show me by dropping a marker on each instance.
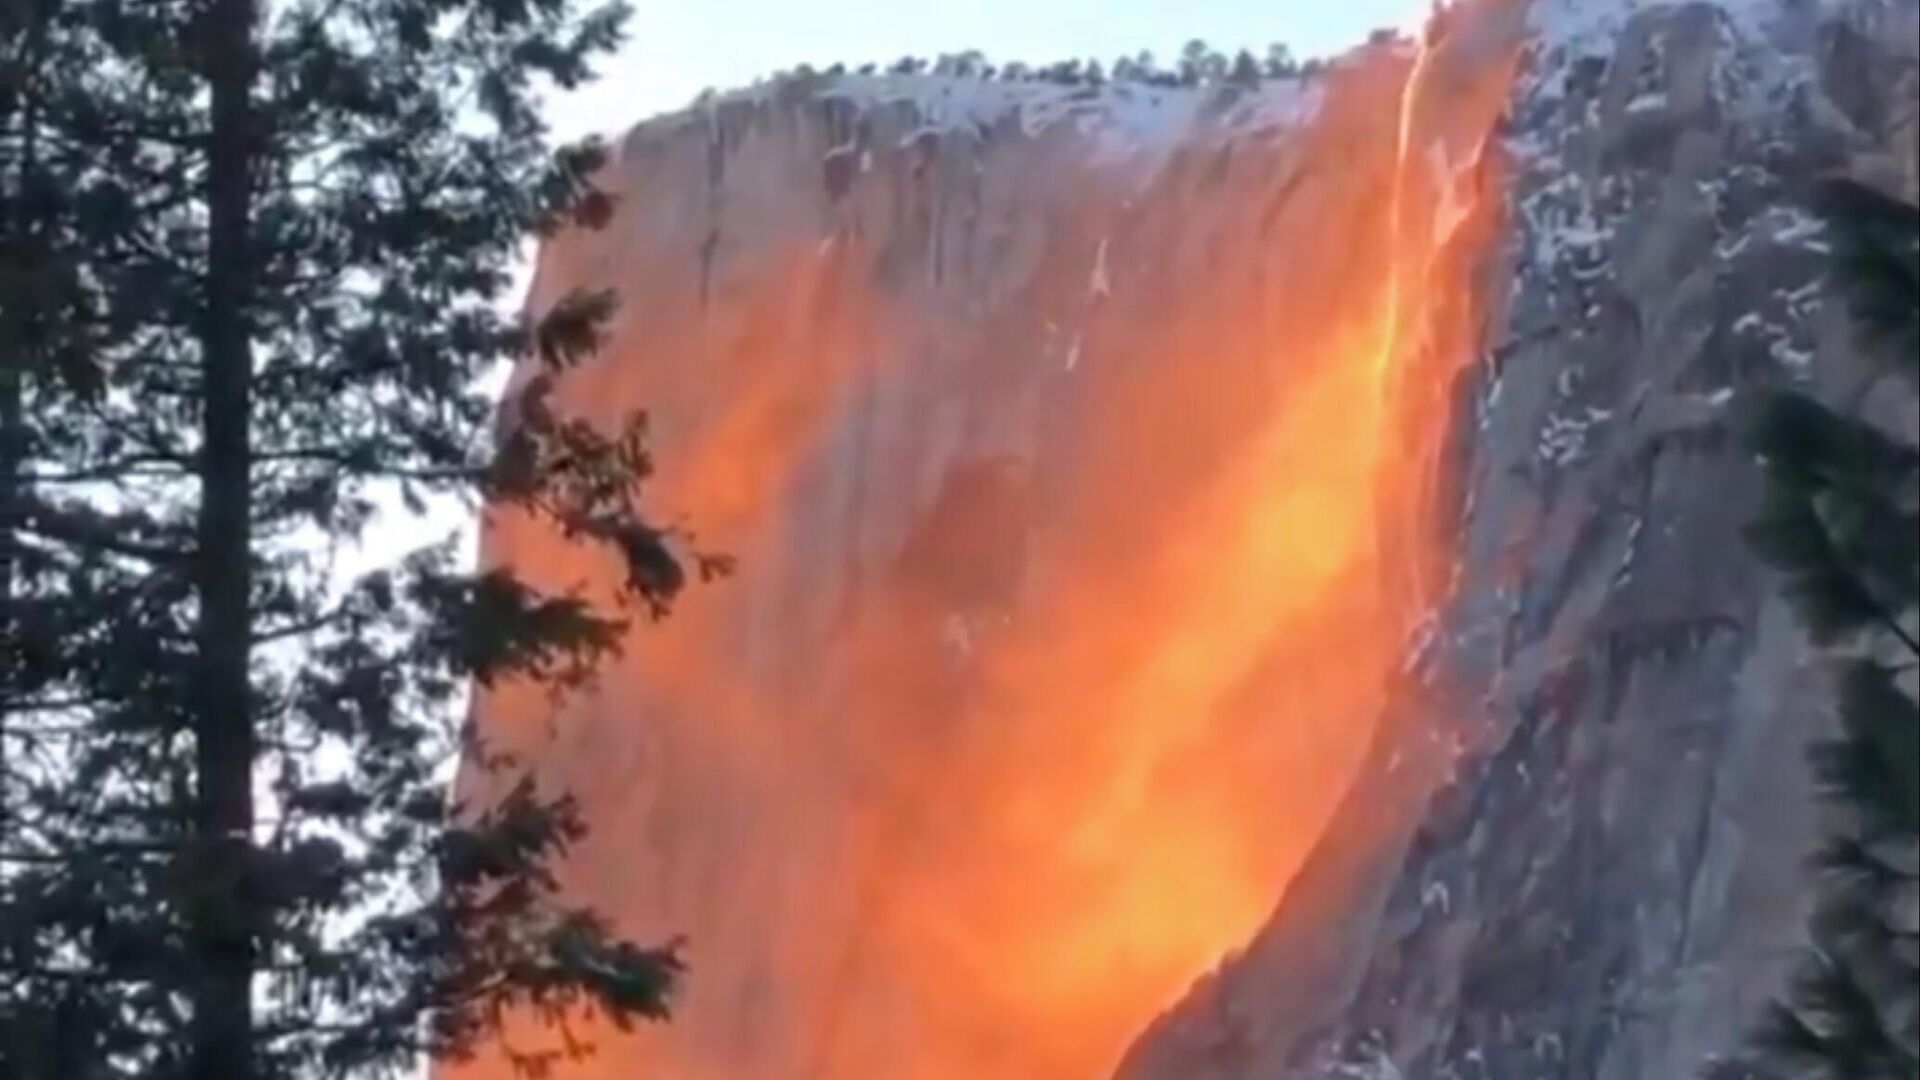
(1083, 500)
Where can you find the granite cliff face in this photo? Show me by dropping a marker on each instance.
(1159, 505)
(1609, 883)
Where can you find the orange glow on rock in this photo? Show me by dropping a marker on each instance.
(1072, 576)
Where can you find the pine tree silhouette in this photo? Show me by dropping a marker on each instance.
(1839, 523)
(251, 271)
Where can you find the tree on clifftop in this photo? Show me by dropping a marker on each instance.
(252, 257)
(1841, 522)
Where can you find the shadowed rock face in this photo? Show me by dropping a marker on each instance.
(1610, 883)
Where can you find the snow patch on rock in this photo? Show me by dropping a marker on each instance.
(1122, 121)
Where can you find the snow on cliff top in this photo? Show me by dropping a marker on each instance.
(1140, 113)
(1126, 118)
(1755, 72)
(1586, 26)
(1123, 119)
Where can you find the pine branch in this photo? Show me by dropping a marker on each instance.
(91, 532)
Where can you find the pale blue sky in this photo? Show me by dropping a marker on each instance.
(680, 47)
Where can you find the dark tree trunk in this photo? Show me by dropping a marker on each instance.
(223, 936)
(11, 663)
(11, 420)
(21, 339)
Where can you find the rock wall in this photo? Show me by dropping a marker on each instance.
(1156, 504)
(1078, 446)
(1610, 882)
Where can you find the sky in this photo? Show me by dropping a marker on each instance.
(677, 48)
